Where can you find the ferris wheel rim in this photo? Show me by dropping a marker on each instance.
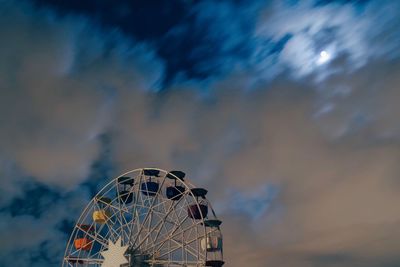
(114, 183)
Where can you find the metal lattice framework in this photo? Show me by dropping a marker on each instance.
(160, 216)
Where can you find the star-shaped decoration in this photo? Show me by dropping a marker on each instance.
(114, 255)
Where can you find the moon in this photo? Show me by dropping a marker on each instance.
(324, 57)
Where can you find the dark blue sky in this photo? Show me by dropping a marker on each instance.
(186, 35)
(285, 110)
(181, 37)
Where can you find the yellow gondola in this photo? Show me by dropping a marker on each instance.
(103, 214)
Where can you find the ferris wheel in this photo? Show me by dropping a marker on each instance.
(147, 217)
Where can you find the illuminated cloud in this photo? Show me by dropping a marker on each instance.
(306, 168)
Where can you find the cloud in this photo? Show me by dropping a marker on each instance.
(58, 83)
(305, 168)
(38, 240)
(350, 33)
(331, 182)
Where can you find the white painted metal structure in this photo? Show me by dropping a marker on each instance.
(157, 228)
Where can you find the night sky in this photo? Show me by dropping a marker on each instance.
(287, 111)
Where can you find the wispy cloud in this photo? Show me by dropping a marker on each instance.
(300, 156)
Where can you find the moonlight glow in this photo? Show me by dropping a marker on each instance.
(324, 57)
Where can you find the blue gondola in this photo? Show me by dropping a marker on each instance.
(124, 193)
(149, 188)
(175, 192)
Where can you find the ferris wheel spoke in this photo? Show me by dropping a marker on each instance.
(135, 223)
(142, 213)
(162, 242)
(179, 223)
(180, 245)
(122, 210)
(112, 231)
(94, 237)
(118, 208)
(117, 223)
(182, 209)
(184, 245)
(148, 213)
(167, 226)
(86, 261)
(135, 216)
(160, 204)
(126, 227)
(161, 262)
(161, 223)
(108, 223)
(121, 230)
(155, 224)
(175, 234)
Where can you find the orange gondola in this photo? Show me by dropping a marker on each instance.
(83, 244)
(83, 241)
